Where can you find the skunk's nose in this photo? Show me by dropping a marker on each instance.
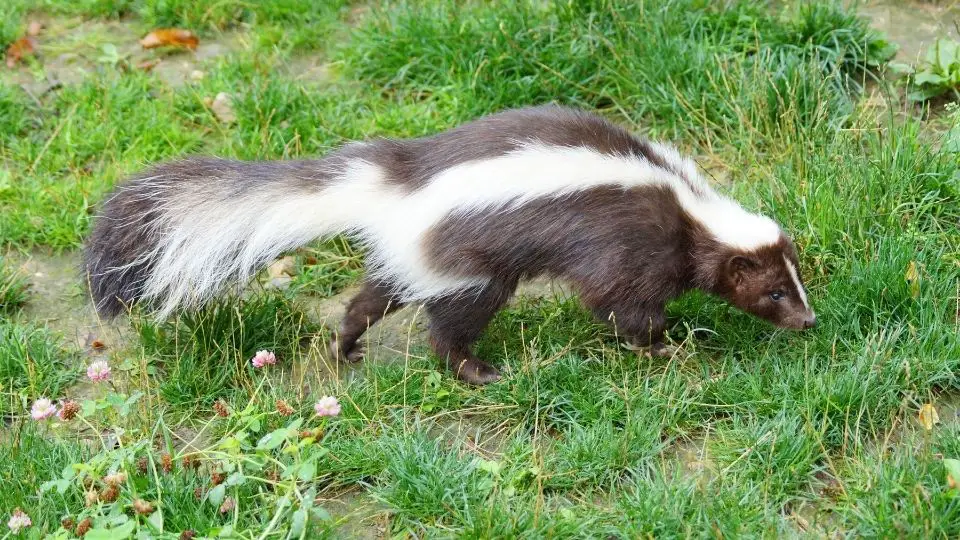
(810, 321)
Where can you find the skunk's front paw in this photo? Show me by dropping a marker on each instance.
(655, 350)
(661, 350)
(354, 354)
(474, 371)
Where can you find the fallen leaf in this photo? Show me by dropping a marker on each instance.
(170, 37)
(280, 271)
(953, 472)
(34, 28)
(928, 416)
(18, 49)
(148, 65)
(284, 266)
(913, 279)
(222, 106)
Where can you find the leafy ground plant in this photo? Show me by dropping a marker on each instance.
(937, 74)
(250, 477)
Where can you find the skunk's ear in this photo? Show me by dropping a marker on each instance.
(740, 266)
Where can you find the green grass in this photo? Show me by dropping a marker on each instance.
(28, 458)
(206, 355)
(32, 365)
(748, 431)
(14, 289)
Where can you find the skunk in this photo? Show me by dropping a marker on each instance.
(455, 221)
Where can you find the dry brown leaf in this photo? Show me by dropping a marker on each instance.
(148, 65)
(222, 106)
(284, 266)
(170, 37)
(953, 472)
(928, 416)
(18, 49)
(280, 271)
(92, 343)
(34, 28)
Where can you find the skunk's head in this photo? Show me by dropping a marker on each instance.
(765, 282)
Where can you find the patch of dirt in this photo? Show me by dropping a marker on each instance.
(356, 514)
(59, 301)
(70, 50)
(690, 458)
(311, 69)
(913, 25)
(948, 408)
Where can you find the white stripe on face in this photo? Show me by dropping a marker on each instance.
(796, 281)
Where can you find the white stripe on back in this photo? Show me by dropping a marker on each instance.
(531, 172)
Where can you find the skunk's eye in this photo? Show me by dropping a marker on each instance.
(776, 296)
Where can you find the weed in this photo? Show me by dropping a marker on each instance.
(937, 74)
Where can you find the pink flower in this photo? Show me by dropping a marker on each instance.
(98, 371)
(263, 358)
(18, 521)
(42, 409)
(327, 406)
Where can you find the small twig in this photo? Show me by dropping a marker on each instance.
(55, 86)
(745, 453)
(27, 91)
(53, 136)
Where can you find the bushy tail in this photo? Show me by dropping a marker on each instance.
(180, 233)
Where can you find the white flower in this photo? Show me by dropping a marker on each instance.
(18, 521)
(98, 371)
(327, 406)
(42, 409)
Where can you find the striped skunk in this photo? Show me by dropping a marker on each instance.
(455, 221)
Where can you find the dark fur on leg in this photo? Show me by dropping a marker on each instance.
(371, 304)
(457, 322)
(641, 326)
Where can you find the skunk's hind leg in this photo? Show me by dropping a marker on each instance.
(371, 304)
(457, 321)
